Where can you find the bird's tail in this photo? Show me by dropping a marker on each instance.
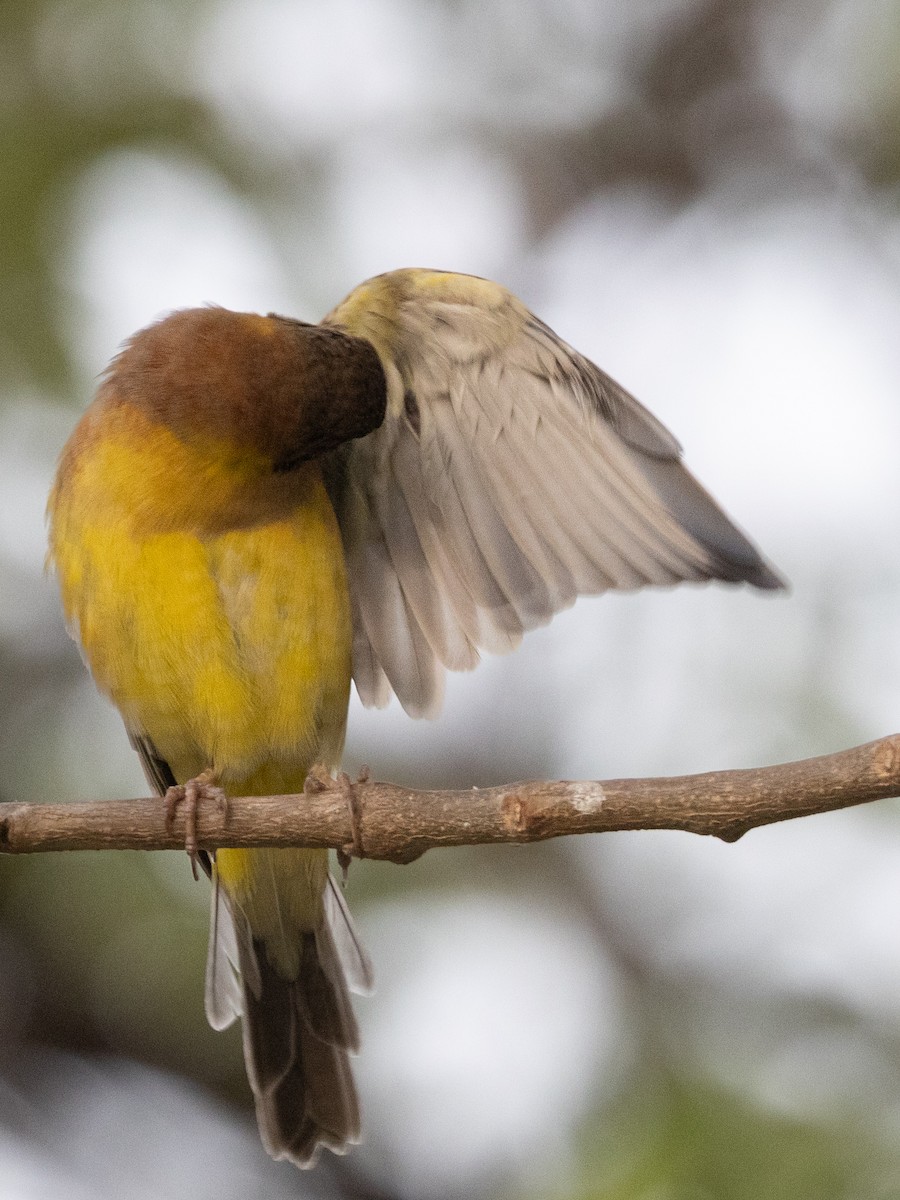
(298, 1032)
(297, 1036)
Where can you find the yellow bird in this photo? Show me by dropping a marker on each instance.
(254, 509)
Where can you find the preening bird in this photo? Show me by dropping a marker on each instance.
(254, 509)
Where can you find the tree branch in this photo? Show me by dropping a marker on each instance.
(399, 824)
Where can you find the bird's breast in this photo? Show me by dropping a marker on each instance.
(228, 648)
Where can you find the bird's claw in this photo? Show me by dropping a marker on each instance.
(192, 794)
(354, 848)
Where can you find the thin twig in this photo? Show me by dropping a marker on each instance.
(399, 824)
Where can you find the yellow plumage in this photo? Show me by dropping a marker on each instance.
(212, 643)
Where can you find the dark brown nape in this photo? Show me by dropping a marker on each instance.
(289, 390)
(345, 390)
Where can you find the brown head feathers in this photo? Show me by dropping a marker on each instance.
(290, 390)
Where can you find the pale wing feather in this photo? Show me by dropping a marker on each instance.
(538, 530)
(442, 484)
(421, 589)
(521, 594)
(454, 585)
(582, 500)
(509, 476)
(454, 566)
(613, 521)
(395, 636)
(544, 531)
(585, 507)
(222, 994)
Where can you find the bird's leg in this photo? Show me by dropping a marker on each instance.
(354, 848)
(319, 780)
(191, 795)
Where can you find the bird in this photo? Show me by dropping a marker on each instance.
(254, 511)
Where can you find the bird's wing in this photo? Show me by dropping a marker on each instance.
(156, 770)
(509, 476)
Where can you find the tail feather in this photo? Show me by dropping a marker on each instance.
(270, 1029)
(350, 957)
(297, 1037)
(303, 1147)
(330, 1094)
(324, 999)
(223, 992)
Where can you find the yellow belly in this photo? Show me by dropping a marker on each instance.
(229, 649)
(233, 651)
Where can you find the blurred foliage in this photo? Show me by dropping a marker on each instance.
(685, 1140)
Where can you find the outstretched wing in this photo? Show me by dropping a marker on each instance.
(510, 475)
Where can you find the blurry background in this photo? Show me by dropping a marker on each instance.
(703, 196)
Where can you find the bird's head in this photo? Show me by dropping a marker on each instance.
(276, 387)
(229, 407)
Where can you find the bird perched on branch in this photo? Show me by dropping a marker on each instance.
(254, 509)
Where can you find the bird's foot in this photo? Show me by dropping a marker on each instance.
(192, 794)
(319, 780)
(354, 848)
